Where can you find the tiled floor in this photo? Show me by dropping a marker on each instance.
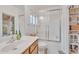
(52, 47)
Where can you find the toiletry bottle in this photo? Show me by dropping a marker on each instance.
(17, 36)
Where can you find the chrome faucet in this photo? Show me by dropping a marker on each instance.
(11, 40)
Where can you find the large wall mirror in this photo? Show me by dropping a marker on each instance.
(8, 26)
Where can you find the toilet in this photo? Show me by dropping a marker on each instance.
(42, 47)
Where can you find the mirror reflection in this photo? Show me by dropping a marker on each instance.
(8, 24)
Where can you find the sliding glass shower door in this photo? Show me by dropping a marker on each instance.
(54, 25)
(50, 25)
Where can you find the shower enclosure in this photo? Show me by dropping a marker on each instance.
(50, 25)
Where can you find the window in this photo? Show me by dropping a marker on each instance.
(33, 19)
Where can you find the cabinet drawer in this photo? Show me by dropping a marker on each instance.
(35, 51)
(33, 46)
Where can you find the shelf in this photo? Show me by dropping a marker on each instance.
(73, 29)
(74, 8)
(74, 43)
(74, 11)
(74, 15)
(73, 32)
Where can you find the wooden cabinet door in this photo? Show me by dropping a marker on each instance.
(26, 51)
(33, 46)
(35, 51)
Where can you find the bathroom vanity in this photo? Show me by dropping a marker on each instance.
(26, 45)
(32, 49)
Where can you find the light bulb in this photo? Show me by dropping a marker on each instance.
(41, 17)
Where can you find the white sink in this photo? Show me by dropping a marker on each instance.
(9, 48)
(12, 46)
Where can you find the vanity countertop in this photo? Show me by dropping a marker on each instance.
(18, 46)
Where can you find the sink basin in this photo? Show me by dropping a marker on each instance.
(10, 41)
(8, 48)
(12, 46)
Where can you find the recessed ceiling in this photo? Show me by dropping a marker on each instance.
(19, 6)
(41, 7)
(35, 7)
